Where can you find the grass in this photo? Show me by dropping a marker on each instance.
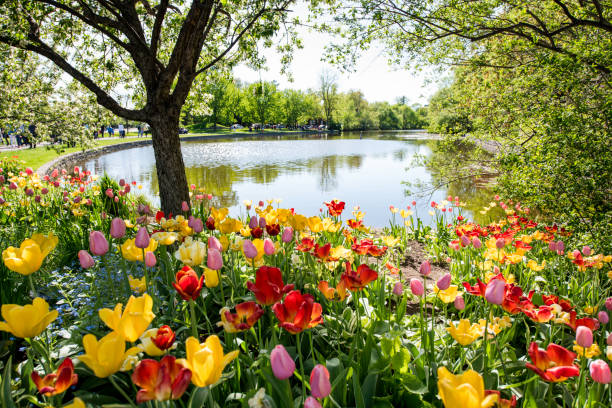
(36, 157)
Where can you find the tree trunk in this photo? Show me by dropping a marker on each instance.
(173, 188)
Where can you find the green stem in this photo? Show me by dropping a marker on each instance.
(194, 322)
(299, 347)
(121, 391)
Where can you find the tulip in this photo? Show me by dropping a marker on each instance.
(603, 317)
(495, 291)
(500, 243)
(416, 286)
(27, 321)
(85, 259)
(444, 282)
(249, 249)
(211, 278)
(425, 268)
(213, 242)
(26, 259)
(196, 225)
(357, 280)
(465, 240)
(155, 342)
(253, 222)
(107, 356)
(109, 193)
(554, 364)
(184, 206)
(150, 260)
(247, 314)
(298, 312)
(117, 229)
(187, 283)
(476, 242)
(320, 387)
(398, 289)
(2, 179)
(160, 381)
(283, 365)
(600, 372)
(463, 390)
(459, 303)
(57, 382)
(465, 333)
(269, 247)
(311, 403)
(98, 245)
(584, 336)
(137, 285)
(262, 222)
(210, 223)
(609, 339)
(164, 337)
(586, 250)
(191, 252)
(268, 287)
(2, 201)
(560, 247)
(257, 232)
(206, 360)
(287, 235)
(214, 260)
(552, 246)
(608, 303)
(142, 238)
(133, 321)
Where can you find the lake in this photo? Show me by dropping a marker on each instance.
(369, 170)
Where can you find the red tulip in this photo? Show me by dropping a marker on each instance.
(555, 364)
(273, 229)
(164, 338)
(210, 223)
(257, 232)
(322, 252)
(335, 207)
(187, 283)
(57, 382)
(160, 381)
(268, 287)
(306, 245)
(359, 279)
(298, 312)
(247, 314)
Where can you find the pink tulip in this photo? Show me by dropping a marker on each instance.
(465, 241)
(117, 229)
(495, 291)
(283, 365)
(150, 260)
(476, 242)
(500, 243)
(109, 193)
(287, 235)
(459, 303)
(603, 317)
(214, 260)
(116, 199)
(98, 245)
(253, 222)
(262, 222)
(184, 206)
(311, 403)
(552, 245)
(249, 249)
(213, 242)
(586, 250)
(269, 247)
(609, 303)
(85, 259)
(584, 336)
(560, 247)
(609, 339)
(196, 224)
(122, 182)
(416, 286)
(444, 282)
(54, 173)
(2, 179)
(600, 372)
(398, 289)
(12, 186)
(425, 268)
(142, 238)
(320, 387)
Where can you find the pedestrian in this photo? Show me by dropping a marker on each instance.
(13, 138)
(140, 131)
(109, 129)
(32, 140)
(102, 131)
(5, 136)
(121, 131)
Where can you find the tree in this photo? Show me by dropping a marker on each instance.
(221, 86)
(328, 92)
(262, 101)
(294, 104)
(158, 48)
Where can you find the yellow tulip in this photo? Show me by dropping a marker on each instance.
(330, 226)
(135, 319)
(206, 361)
(283, 215)
(229, 225)
(389, 240)
(191, 252)
(27, 321)
(465, 333)
(298, 222)
(165, 238)
(137, 285)
(224, 242)
(220, 214)
(47, 243)
(464, 390)
(405, 213)
(589, 352)
(211, 278)
(131, 252)
(315, 225)
(26, 259)
(76, 403)
(341, 252)
(448, 295)
(107, 356)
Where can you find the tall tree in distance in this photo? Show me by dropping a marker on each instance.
(328, 92)
(160, 47)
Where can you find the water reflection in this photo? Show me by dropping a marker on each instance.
(365, 170)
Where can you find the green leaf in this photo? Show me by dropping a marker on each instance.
(5, 386)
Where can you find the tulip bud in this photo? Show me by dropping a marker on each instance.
(560, 247)
(260, 203)
(210, 223)
(609, 339)
(320, 387)
(269, 247)
(150, 260)
(287, 235)
(600, 372)
(2, 179)
(44, 191)
(109, 193)
(283, 365)
(249, 249)
(459, 303)
(211, 277)
(37, 198)
(184, 206)
(416, 286)
(476, 242)
(398, 289)
(117, 228)
(214, 260)
(495, 291)
(500, 243)
(116, 199)
(584, 336)
(122, 182)
(609, 303)
(98, 245)
(262, 222)
(444, 282)
(311, 403)
(142, 238)
(586, 250)
(425, 268)
(29, 192)
(603, 317)
(85, 259)
(253, 222)
(164, 338)
(213, 242)
(465, 241)
(127, 189)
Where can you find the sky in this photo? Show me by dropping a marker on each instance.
(373, 76)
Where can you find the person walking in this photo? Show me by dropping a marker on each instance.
(140, 131)
(102, 131)
(109, 129)
(5, 136)
(13, 138)
(121, 131)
